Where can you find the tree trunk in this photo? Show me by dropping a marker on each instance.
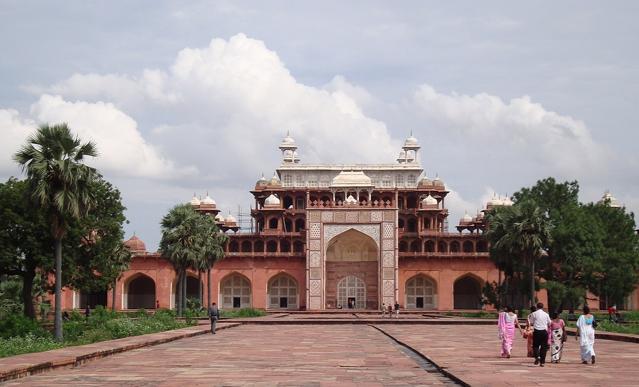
(58, 290)
(199, 287)
(115, 286)
(532, 280)
(178, 293)
(208, 287)
(184, 304)
(27, 293)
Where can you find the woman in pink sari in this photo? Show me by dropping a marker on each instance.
(507, 322)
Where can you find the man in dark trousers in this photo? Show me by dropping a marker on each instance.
(214, 315)
(540, 322)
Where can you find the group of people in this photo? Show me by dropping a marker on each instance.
(390, 309)
(544, 331)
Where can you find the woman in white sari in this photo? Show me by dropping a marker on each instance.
(586, 336)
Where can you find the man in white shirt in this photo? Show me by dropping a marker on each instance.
(540, 322)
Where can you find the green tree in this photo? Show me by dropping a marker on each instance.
(181, 246)
(617, 272)
(521, 232)
(60, 184)
(25, 238)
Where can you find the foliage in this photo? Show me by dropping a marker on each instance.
(25, 238)
(519, 236)
(10, 300)
(591, 247)
(19, 325)
(59, 184)
(189, 240)
(26, 344)
(244, 312)
(24, 335)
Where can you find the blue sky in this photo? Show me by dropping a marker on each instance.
(186, 97)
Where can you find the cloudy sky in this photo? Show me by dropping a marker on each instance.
(196, 96)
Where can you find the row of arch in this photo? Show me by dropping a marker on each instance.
(271, 246)
(283, 292)
(274, 222)
(431, 246)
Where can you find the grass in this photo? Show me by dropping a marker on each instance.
(102, 325)
(244, 312)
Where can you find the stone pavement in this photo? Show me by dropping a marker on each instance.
(471, 353)
(29, 363)
(256, 355)
(347, 354)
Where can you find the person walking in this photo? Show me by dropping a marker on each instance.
(558, 337)
(214, 315)
(586, 335)
(540, 323)
(528, 333)
(507, 322)
(396, 309)
(383, 309)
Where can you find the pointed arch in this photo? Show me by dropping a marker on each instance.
(467, 292)
(283, 292)
(235, 291)
(139, 292)
(421, 292)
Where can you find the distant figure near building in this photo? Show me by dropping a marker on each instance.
(383, 310)
(87, 312)
(214, 315)
(396, 309)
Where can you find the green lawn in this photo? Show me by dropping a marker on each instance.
(21, 335)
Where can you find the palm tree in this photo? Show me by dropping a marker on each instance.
(59, 182)
(522, 231)
(180, 245)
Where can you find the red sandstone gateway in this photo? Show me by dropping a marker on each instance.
(330, 237)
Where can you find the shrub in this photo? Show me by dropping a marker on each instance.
(17, 325)
(26, 344)
(244, 312)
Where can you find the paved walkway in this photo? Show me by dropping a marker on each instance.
(472, 354)
(256, 355)
(346, 354)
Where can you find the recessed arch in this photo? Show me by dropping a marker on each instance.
(351, 245)
(421, 292)
(468, 247)
(351, 292)
(429, 246)
(454, 247)
(283, 292)
(235, 291)
(247, 247)
(139, 292)
(467, 292)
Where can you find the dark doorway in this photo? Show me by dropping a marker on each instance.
(419, 302)
(467, 293)
(284, 302)
(93, 299)
(351, 303)
(141, 293)
(237, 303)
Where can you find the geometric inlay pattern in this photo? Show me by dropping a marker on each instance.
(389, 288)
(315, 287)
(314, 244)
(314, 259)
(352, 217)
(388, 230)
(388, 259)
(327, 216)
(376, 216)
(332, 230)
(315, 230)
(388, 244)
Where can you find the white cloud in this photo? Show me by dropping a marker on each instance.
(122, 149)
(559, 143)
(236, 99)
(14, 130)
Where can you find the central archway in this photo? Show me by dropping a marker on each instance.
(352, 261)
(140, 293)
